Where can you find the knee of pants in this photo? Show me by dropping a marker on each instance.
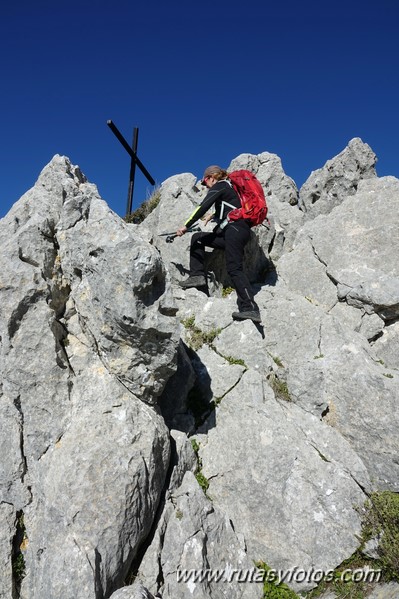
(234, 267)
(196, 239)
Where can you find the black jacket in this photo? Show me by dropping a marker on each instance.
(223, 196)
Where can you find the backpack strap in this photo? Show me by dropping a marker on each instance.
(224, 205)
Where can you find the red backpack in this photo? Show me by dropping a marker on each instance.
(253, 202)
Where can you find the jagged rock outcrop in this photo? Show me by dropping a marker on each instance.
(121, 393)
(339, 178)
(345, 263)
(325, 358)
(88, 340)
(313, 478)
(134, 591)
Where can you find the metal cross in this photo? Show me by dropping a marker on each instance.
(132, 151)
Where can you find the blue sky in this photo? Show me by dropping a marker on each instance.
(204, 82)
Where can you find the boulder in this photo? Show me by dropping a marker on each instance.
(88, 342)
(327, 187)
(134, 591)
(334, 373)
(268, 169)
(287, 481)
(194, 536)
(349, 256)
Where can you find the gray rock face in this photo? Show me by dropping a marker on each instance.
(339, 178)
(194, 535)
(350, 256)
(7, 532)
(294, 492)
(345, 264)
(84, 459)
(109, 371)
(387, 346)
(333, 372)
(385, 591)
(134, 591)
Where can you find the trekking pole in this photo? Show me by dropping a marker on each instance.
(170, 237)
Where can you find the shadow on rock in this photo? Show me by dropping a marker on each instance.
(187, 401)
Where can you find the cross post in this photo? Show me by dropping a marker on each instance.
(132, 151)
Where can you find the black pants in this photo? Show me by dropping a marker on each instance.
(233, 239)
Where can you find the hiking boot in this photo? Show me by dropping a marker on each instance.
(195, 281)
(253, 315)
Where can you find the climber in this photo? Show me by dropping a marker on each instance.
(230, 236)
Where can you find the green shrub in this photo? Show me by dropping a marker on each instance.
(274, 590)
(197, 338)
(202, 481)
(201, 478)
(279, 387)
(18, 567)
(382, 520)
(277, 361)
(18, 560)
(226, 291)
(188, 323)
(233, 361)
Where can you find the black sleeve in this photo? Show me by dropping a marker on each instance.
(206, 203)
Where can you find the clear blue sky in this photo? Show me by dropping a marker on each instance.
(204, 82)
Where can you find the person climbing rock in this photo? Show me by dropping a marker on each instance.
(232, 237)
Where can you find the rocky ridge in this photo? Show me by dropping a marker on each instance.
(120, 391)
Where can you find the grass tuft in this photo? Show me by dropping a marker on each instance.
(145, 208)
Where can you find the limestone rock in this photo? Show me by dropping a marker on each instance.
(327, 187)
(193, 534)
(179, 197)
(350, 256)
(88, 339)
(385, 591)
(278, 474)
(109, 370)
(333, 372)
(7, 533)
(386, 346)
(134, 591)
